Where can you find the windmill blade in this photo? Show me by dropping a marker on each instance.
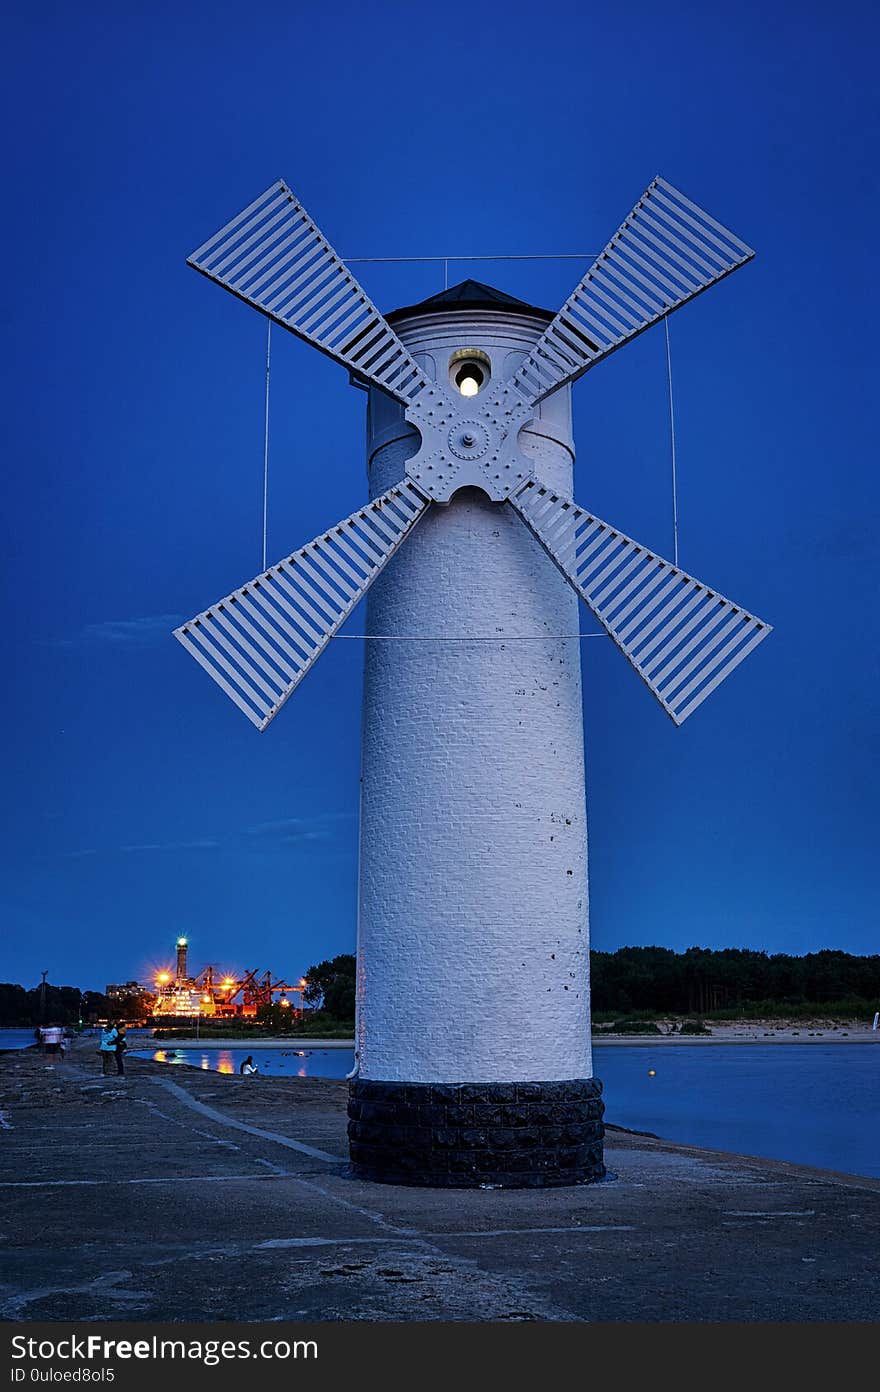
(682, 638)
(260, 641)
(666, 252)
(273, 256)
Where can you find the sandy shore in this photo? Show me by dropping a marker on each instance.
(755, 1032)
(672, 1041)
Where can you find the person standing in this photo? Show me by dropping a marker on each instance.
(52, 1035)
(121, 1047)
(109, 1036)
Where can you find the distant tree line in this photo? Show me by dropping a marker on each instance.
(330, 986)
(657, 980)
(62, 1005)
(328, 998)
(702, 980)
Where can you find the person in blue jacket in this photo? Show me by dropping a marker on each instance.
(109, 1038)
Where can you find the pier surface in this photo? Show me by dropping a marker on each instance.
(177, 1194)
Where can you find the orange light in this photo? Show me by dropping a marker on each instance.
(206, 1000)
(162, 978)
(228, 983)
(285, 1003)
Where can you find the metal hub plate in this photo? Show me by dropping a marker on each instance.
(469, 441)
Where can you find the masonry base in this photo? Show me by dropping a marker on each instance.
(464, 1135)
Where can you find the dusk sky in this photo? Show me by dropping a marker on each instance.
(140, 803)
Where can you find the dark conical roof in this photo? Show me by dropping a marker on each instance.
(469, 294)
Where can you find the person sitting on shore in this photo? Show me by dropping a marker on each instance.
(248, 1067)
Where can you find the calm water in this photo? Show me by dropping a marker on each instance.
(276, 1063)
(16, 1038)
(21, 1037)
(814, 1104)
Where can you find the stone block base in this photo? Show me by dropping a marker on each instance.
(463, 1135)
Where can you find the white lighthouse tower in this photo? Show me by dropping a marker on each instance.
(473, 950)
(473, 944)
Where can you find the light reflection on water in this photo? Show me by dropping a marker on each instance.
(273, 1063)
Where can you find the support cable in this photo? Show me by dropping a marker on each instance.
(498, 256)
(465, 638)
(672, 444)
(266, 439)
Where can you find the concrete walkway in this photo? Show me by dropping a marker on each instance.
(206, 1197)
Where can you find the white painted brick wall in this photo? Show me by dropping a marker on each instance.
(473, 925)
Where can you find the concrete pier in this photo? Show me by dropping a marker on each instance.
(176, 1194)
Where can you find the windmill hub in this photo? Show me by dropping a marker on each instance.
(469, 440)
(476, 450)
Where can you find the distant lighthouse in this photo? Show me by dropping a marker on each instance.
(473, 953)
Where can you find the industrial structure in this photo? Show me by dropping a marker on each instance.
(473, 864)
(224, 994)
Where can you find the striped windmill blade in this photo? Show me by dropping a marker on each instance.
(682, 638)
(260, 641)
(273, 256)
(666, 252)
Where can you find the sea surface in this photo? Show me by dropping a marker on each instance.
(813, 1104)
(16, 1038)
(816, 1105)
(276, 1063)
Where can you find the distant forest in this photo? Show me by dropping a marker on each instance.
(65, 1005)
(702, 981)
(632, 980)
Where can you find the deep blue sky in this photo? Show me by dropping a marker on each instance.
(140, 802)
